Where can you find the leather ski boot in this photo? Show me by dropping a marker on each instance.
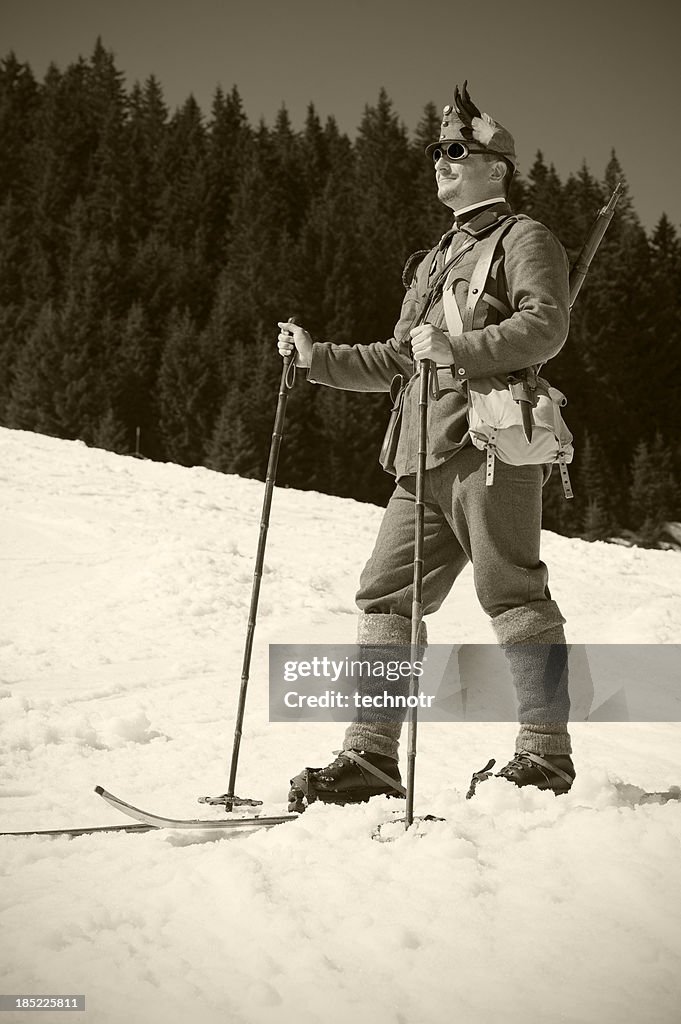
(546, 771)
(353, 777)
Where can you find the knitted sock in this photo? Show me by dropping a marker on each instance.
(544, 739)
(382, 638)
(533, 641)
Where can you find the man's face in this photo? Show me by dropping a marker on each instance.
(465, 182)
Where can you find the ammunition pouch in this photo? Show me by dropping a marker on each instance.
(392, 434)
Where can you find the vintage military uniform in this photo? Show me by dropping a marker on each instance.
(522, 320)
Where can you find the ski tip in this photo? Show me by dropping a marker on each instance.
(99, 790)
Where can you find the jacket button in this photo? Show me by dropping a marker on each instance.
(474, 290)
(461, 371)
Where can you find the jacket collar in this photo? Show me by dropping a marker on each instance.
(479, 223)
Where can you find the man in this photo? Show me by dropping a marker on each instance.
(521, 320)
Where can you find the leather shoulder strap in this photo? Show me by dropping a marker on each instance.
(432, 287)
(476, 288)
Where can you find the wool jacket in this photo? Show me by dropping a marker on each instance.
(528, 280)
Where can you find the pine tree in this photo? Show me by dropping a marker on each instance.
(19, 99)
(181, 209)
(653, 495)
(111, 434)
(133, 374)
(144, 143)
(291, 174)
(260, 278)
(184, 165)
(13, 328)
(315, 160)
(236, 445)
(107, 176)
(60, 384)
(86, 340)
(543, 199)
(596, 521)
(661, 336)
(188, 391)
(583, 197)
(595, 494)
(55, 163)
(36, 371)
(229, 137)
(431, 218)
(385, 235)
(14, 250)
(614, 176)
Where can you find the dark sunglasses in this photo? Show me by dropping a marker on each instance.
(454, 151)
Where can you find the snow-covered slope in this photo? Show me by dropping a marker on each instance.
(125, 591)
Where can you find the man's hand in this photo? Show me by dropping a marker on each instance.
(290, 336)
(428, 342)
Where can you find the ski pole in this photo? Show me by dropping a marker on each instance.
(288, 376)
(417, 599)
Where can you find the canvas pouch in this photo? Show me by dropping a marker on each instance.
(495, 417)
(495, 425)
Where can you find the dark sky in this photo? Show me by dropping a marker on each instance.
(572, 79)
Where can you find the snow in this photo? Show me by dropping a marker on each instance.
(125, 595)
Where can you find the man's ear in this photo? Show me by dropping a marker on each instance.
(498, 171)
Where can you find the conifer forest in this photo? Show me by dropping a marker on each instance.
(146, 256)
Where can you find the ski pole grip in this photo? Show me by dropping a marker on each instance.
(290, 362)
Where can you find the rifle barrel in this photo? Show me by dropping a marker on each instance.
(588, 251)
